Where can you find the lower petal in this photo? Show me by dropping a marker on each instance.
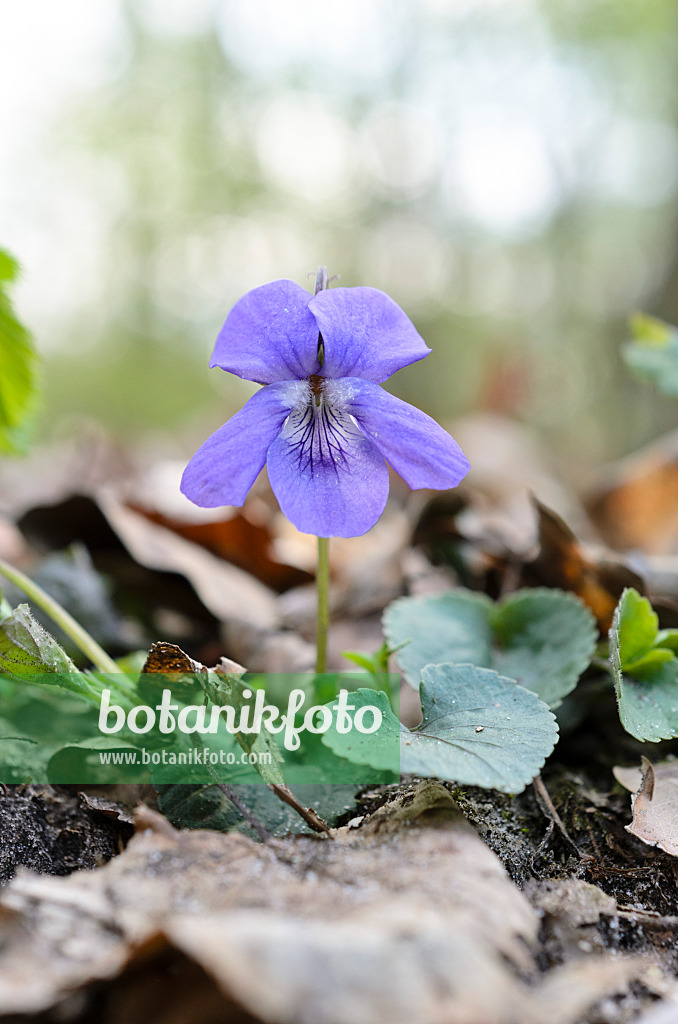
(328, 477)
(417, 447)
(222, 471)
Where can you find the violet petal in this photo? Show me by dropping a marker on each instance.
(270, 335)
(224, 468)
(417, 447)
(365, 333)
(328, 477)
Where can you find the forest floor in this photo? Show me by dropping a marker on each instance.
(427, 902)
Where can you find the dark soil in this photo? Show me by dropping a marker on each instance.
(54, 831)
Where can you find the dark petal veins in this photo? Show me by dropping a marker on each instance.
(270, 335)
(329, 478)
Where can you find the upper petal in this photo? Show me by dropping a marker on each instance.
(328, 477)
(417, 447)
(269, 335)
(224, 468)
(365, 333)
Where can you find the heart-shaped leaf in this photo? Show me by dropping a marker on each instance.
(380, 749)
(478, 729)
(543, 638)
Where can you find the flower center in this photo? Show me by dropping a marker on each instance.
(320, 430)
(317, 385)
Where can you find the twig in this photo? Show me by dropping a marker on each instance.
(228, 792)
(549, 811)
(260, 829)
(648, 918)
(312, 819)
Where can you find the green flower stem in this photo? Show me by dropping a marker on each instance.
(322, 582)
(80, 637)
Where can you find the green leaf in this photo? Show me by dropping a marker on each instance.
(650, 330)
(649, 662)
(27, 649)
(18, 754)
(645, 672)
(18, 369)
(28, 653)
(478, 729)
(642, 646)
(228, 689)
(667, 638)
(637, 627)
(448, 627)
(73, 762)
(377, 664)
(37, 721)
(361, 660)
(381, 749)
(544, 639)
(653, 352)
(648, 707)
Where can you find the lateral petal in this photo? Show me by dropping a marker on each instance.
(224, 468)
(417, 447)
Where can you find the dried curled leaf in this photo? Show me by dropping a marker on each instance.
(563, 562)
(654, 803)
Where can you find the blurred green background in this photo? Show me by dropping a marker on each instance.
(507, 171)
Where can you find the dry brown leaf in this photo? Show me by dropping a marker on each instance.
(563, 562)
(409, 917)
(169, 659)
(231, 594)
(237, 540)
(654, 803)
(635, 507)
(508, 463)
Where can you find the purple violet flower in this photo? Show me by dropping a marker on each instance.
(321, 424)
